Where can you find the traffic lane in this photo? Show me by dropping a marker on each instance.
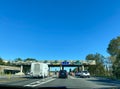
(69, 83)
(79, 83)
(31, 82)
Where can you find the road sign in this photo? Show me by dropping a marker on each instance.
(77, 63)
(65, 63)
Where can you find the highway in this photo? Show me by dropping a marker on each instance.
(70, 82)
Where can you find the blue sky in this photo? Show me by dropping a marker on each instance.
(57, 29)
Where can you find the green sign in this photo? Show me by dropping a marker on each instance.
(77, 63)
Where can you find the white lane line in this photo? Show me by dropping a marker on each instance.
(72, 77)
(37, 83)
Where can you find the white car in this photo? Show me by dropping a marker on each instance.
(85, 74)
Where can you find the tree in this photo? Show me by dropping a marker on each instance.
(112, 59)
(56, 61)
(114, 50)
(30, 59)
(18, 59)
(116, 66)
(90, 57)
(65, 60)
(8, 63)
(114, 46)
(1, 61)
(97, 69)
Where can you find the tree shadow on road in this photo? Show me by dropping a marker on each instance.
(105, 82)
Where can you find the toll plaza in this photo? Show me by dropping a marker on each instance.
(80, 64)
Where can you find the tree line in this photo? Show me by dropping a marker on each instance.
(8, 63)
(109, 66)
(114, 51)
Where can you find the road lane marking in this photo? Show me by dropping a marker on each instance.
(37, 83)
(71, 77)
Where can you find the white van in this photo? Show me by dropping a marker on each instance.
(39, 70)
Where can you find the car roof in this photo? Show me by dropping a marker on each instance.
(63, 70)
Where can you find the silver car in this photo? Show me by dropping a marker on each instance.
(85, 74)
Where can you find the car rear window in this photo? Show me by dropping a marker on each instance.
(85, 71)
(63, 71)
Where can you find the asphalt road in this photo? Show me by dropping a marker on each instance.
(71, 82)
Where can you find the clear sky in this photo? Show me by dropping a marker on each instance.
(57, 29)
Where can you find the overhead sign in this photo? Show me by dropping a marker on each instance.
(78, 63)
(65, 63)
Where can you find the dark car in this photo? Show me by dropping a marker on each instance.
(78, 73)
(63, 74)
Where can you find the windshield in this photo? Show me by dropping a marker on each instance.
(60, 43)
(85, 71)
